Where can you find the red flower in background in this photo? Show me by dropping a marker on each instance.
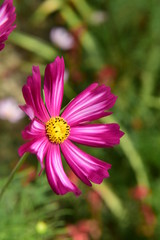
(107, 75)
(139, 192)
(147, 228)
(84, 230)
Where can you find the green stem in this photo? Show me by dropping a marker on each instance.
(113, 202)
(34, 45)
(22, 159)
(132, 155)
(135, 160)
(153, 102)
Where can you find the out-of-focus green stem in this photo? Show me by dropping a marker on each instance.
(71, 18)
(135, 160)
(45, 8)
(150, 72)
(33, 44)
(22, 159)
(153, 102)
(132, 155)
(84, 8)
(88, 42)
(112, 200)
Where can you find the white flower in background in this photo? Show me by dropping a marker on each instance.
(10, 111)
(98, 17)
(62, 38)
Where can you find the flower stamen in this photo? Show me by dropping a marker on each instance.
(57, 130)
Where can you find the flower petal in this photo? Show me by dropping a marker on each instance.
(38, 146)
(53, 86)
(28, 110)
(89, 105)
(96, 135)
(32, 95)
(57, 178)
(84, 165)
(7, 18)
(33, 130)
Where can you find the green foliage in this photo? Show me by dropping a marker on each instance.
(126, 41)
(30, 212)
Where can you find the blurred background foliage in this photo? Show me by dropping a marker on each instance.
(111, 42)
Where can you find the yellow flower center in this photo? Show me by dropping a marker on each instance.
(57, 130)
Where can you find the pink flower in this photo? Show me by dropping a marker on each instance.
(48, 132)
(7, 18)
(62, 38)
(84, 230)
(10, 111)
(140, 192)
(149, 222)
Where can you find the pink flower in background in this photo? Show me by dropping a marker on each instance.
(140, 192)
(62, 38)
(84, 230)
(107, 75)
(94, 200)
(10, 111)
(7, 18)
(49, 134)
(149, 222)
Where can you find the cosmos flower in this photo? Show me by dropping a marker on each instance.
(7, 18)
(50, 133)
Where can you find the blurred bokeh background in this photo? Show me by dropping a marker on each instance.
(116, 43)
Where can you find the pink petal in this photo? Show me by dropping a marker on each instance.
(96, 135)
(57, 178)
(7, 18)
(90, 105)
(84, 165)
(32, 95)
(28, 110)
(53, 86)
(36, 146)
(34, 129)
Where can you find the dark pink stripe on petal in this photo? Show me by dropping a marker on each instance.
(89, 106)
(96, 135)
(84, 165)
(32, 95)
(36, 146)
(53, 86)
(57, 178)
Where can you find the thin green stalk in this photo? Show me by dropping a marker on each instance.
(153, 102)
(132, 155)
(87, 41)
(113, 202)
(33, 44)
(22, 159)
(135, 160)
(45, 8)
